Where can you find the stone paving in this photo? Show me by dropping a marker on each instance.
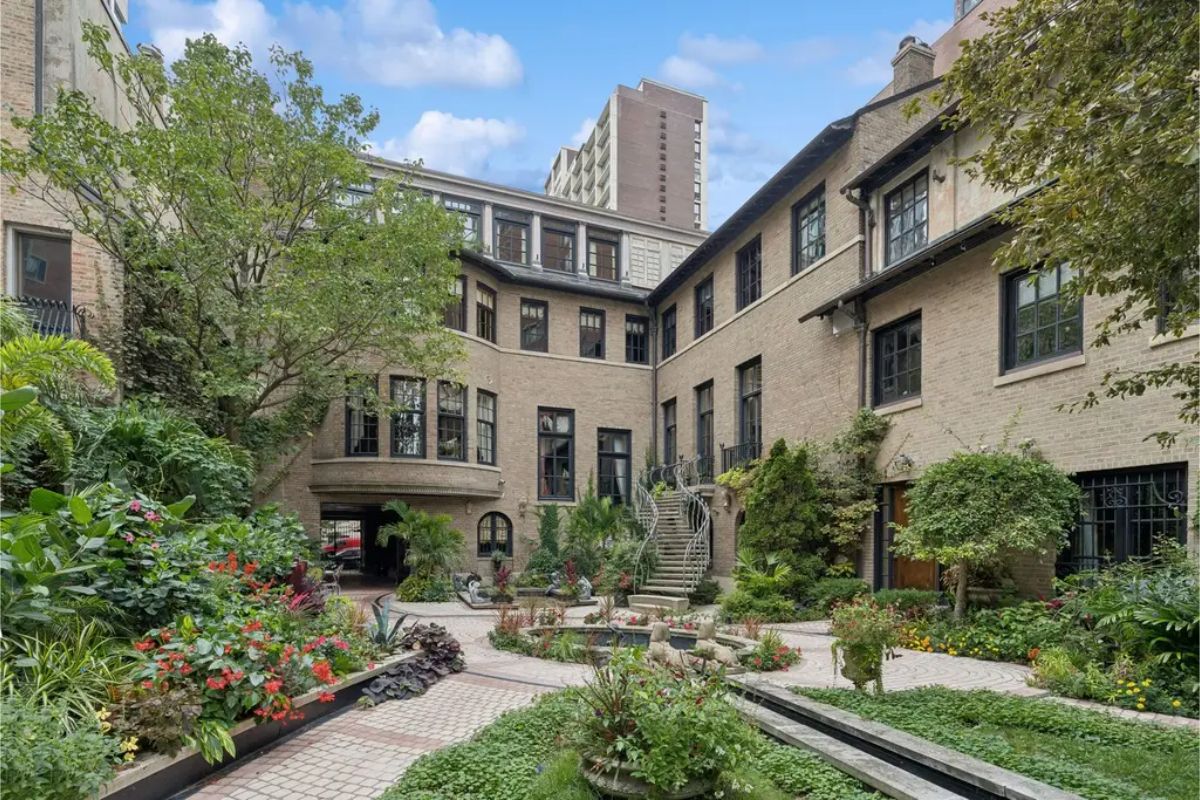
(359, 753)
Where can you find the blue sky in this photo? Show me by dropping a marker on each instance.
(492, 89)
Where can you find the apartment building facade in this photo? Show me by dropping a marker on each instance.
(66, 282)
(645, 157)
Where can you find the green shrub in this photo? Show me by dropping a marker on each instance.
(705, 593)
(909, 602)
(43, 759)
(830, 592)
(740, 604)
(545, 558)
(425, 589)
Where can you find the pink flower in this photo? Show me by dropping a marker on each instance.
(135, 505)
(152, 517)
(325, 697)
(128, 537)
(340, 645)
(154, 545)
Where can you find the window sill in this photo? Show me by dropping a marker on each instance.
(898, 406)
(1165, 338)
(1037, 370)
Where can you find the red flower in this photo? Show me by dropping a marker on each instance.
(323, 672)
(340, 645)
(251, 627)
(278, 715)
(147, 684)
(216, 683)
(273, 686)
(308, 648)
(250, 568)
(325, 697)
(143, 646)
(185, 669)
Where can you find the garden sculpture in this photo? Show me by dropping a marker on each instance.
(474, 594)
(585, 588)
(660, 648)
(707, 647)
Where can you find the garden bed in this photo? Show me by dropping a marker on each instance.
(529, 591)
(157, 775)
(1089, 753)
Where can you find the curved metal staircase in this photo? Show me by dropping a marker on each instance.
(677, 524)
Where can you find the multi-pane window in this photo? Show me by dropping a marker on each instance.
(907, 211)
(704, 306)
(485, 427)
(470, 214)
(456, 309)
(750, 402)
(897, 365)
(668, 332)
(808, 231)
(558, 245)
(614, 465)
(494, 535)
(485, 312)
(43, 281)
(534, 325)
(749, 273)
(452, 421)
(556, 454)
(1042, 319)
(591, 333)
(512, 235)
(637, 339)
(603, 248)
(704, 428)
(670, 432)
(408, 418)
(362, 423)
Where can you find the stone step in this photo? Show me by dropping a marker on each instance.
(647, 602)
(662, 590)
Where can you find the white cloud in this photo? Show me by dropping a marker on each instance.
(811, 51)
(712, 49)
(686, 72)
(389, 42)
(876, 69)
(452, 144)
(585, 130)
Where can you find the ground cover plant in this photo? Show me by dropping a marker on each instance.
(1091, 753)
(526, 755)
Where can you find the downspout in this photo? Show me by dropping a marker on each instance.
(652, 312)
(866, 229)
(39, 43)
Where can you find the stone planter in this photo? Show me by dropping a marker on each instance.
(858, 670)
(615, 779)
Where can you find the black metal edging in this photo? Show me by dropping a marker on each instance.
(936, 777)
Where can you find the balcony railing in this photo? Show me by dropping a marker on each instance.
(51, 317)
(739, 454)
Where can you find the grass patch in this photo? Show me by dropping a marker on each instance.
(521, 756)
(1087, 752)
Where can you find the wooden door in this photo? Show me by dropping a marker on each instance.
(908, 573)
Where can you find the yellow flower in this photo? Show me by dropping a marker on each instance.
(129, 745)
(129, 757)
(105, 727)
(1146, 682)
(1131, 684)
(1175, 704)
(1141, 706)
(103, 714)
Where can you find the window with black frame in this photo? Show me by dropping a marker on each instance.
(470, 214)
(485, 427)
(591, 333)
(897, 363)
(494, 535)
(452, 421)
(704, 428)
(749, 273)
(808, 231)
(750, 403)
(556, 454)
(906, 209)
(704, 306)
(558, 245)
(637, 339)
(613, 469)
(603, 254)
(512, 235)
(667, 328)
(456, 309)
(362, 423)
(1042, 319)
(408, 420)
(485, 312)
(670, 433)
(535, 316)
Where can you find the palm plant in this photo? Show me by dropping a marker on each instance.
(434, 547)
(34, 366)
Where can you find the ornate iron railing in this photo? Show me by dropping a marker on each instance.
(696, 514)
(646, 511)
(49, 317)
(739, 454)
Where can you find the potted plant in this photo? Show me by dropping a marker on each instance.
(865, 633)
(646, 731)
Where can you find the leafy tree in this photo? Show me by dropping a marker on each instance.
(150, 449)
(257, 284)
(35, 368)
(976, 508)
(1095, 103)
(434, 547)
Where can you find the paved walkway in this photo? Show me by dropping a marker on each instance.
(359, 753)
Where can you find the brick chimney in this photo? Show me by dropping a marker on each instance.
(912, 64)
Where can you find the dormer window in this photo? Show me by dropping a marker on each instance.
(907, 212)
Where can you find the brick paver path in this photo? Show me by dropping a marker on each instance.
(359, 753)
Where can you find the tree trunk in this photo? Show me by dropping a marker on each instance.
(960, 591)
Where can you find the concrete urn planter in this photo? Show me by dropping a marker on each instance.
(616, 779)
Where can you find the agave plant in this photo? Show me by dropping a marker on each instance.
(383, 632)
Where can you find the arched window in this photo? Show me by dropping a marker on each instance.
(495, 535)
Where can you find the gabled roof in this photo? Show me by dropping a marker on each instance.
(904, 154)
(795, 171)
